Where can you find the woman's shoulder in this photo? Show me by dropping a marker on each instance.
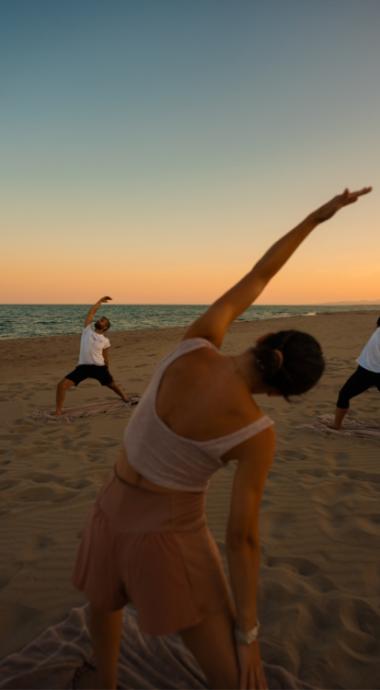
(242, 409)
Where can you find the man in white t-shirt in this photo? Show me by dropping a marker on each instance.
(93, 358)
(367, 375)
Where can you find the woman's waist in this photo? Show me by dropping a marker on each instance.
(128, 474)
(163, 474)
(135, 509)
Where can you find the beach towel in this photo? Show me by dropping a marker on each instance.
(351, 427)
(56, 658)
(70, 414)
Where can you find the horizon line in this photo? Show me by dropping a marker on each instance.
(191, 304)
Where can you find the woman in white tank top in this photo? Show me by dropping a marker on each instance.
(147, 540)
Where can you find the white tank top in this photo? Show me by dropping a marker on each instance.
(369, 357)
(166, 458)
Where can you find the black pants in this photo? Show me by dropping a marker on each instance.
(90, 371)
(360, 381)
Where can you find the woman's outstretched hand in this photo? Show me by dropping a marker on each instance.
(336, 203)
(252, 676)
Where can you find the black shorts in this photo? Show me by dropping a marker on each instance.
(360, 381)
(90, 371)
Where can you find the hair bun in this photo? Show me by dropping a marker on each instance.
(289, 361)
(269, 360)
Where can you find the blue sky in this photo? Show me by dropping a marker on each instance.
(172, 141)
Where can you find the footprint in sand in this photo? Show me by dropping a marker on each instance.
(44, 542)
(340, 522)
(359, 530)
(77, 483)
(276, 592)
(14, 438)
(110, 441)
(371, 477)
(358, 623)
(7, 484)
(53, 465)
(311, 473)
(41, 477)
(275, 524)
(69, 445)
(45, 493)
(302, 566)
(23, 426)
(331, 494)
(341, 456)
(374, 518)
(365, 618)
(322, 583)
(279, 655)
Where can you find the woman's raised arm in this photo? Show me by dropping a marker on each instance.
(214, 323)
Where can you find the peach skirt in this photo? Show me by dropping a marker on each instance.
(155, 551)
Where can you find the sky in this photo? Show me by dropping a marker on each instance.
(152, 150)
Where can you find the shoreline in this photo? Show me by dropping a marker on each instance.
(275, 316)
(53, 350)
(151, 329)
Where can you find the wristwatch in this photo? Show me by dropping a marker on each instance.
(247, 637)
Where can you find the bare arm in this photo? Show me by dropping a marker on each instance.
(106, 358)
(243, 549)
(92, 311)
(214, 323)
(242, 538)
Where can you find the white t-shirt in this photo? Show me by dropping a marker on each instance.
(92, 345)
(369, 357)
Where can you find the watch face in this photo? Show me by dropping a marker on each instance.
(247, 637)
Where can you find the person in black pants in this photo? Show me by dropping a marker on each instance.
(367, 375)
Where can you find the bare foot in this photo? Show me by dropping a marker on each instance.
(133, 400)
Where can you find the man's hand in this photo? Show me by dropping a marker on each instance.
(92, 311)
(336, 203)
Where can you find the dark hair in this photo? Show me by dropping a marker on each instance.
(378, 322)
(302, 362)
(108, 321)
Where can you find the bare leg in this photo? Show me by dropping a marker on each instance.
(62, 387)
(114, 387)
(358, 382)
(340, 414)
(105, 629)
(212, 644)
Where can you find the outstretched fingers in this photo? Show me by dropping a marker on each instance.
(350, 197)
(363, 190)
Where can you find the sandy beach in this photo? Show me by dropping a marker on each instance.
(320, 586)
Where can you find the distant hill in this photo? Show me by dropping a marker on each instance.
(360, 301)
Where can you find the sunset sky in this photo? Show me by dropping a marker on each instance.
(153, 149)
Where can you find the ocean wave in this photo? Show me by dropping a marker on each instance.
(28, 321)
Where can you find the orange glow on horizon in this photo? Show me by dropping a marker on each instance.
(44, 282)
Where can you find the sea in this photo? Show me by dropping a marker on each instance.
(37, 320)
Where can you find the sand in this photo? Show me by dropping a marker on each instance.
(320, 526)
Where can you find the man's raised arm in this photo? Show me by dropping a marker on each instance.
(92, 311)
